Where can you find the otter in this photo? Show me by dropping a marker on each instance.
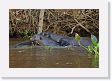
(44, 40)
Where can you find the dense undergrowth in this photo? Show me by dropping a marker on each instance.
(23, 23)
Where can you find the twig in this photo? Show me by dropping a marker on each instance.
(52, 14)
(56, 22)
(90, 18)
(75, 27)
(82, 26)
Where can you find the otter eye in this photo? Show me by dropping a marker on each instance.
(49, 36)
(45, 34)
(40, 38)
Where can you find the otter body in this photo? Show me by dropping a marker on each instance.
(45, 40)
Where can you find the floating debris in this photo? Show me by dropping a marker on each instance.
(57, 63)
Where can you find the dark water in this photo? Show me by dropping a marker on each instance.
(41, 57)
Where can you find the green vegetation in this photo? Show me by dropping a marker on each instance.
(21, 33)
(48, 48)
(93, 49)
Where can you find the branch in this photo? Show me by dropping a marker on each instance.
(41, 17)
(75, 27)
(52, 14)
(90, 18)
(82, 26)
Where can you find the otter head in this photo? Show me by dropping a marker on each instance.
(36, 37)
(46, 34)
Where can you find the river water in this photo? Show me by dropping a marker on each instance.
(41, 57)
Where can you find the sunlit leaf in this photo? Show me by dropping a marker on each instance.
(77, 37)
(94, 40)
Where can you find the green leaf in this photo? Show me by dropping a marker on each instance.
(94, 40)
(77, 37)
(98, 45)
(90, 49)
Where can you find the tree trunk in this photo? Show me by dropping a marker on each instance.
(41, 17)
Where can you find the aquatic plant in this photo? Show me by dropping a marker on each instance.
(48, 48)
(93, 49)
